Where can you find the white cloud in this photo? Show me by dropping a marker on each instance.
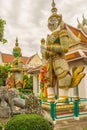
(27, 20)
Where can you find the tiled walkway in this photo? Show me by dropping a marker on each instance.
(72, 124)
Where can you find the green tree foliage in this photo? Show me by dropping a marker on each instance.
(27, 84)
(29, 81)
(1, 126)
(4, 73)
(2, 24)
(28, 122)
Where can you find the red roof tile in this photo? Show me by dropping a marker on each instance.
(85, 52)
(72, 55)
(78, 33)
(9, 58)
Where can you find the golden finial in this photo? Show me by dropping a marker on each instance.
(17, 49)
(54, 9)
(53, 4)
(16, 41)
(42, 41)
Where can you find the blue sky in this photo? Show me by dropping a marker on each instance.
(27, 20)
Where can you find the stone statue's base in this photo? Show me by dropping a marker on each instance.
(62, 108)
(4, 112)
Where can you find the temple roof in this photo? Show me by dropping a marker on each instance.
(77, 51)
(34, 70)
(6, 58)
(78, 33)
(29, 59)
(34, 61)
(76, 55)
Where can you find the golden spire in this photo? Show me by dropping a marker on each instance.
(42, 41)
(16, 44)
(54, 9)
(17, 49)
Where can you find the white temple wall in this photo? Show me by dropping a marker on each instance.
(36, 88)
(83, 85)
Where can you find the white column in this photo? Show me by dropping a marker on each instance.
(35, 84)
(83, 85)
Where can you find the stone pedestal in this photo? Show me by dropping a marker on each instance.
(4, 112)
(63, 92)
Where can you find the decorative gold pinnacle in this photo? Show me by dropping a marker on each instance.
(54, 9)
(53, 4)
(17, 49)
(42, 41)
(16, 44)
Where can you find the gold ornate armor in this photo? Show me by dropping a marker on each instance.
(57, 45)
